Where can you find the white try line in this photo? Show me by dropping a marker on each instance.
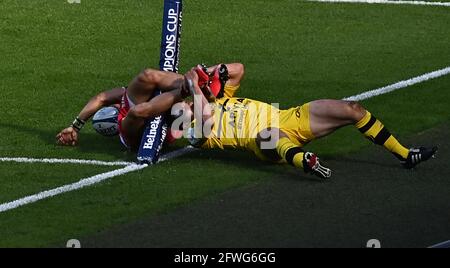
(87, 181)
(69, 187)
(88, 162)
(63, 161)
(387, 2)
(399, 85)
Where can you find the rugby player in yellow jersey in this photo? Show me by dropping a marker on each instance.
(228, 122)
(279, 135)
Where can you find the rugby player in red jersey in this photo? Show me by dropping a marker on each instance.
(136, 103)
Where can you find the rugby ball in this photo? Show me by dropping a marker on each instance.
(105, 121)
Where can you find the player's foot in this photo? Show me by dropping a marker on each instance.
(311, 164)
(418, 155)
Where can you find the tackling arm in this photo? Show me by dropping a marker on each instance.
(162, 103)
(199, 97)
(103, 99)
(156, 106)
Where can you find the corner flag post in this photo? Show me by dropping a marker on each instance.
(156, 128)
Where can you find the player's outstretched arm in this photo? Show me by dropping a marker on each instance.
(204, 111)
(69, 135)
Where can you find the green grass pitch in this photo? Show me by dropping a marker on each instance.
(56, 55)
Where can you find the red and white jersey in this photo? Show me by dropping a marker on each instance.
(125, 105)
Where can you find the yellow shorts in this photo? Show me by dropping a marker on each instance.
(295, 124)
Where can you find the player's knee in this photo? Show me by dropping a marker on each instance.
(150, 75)
(355, 110)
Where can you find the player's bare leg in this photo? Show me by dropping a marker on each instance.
(133, 124)
(328, 115)
(141, 91)
(142, 87)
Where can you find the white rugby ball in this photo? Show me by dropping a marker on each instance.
(105, 121)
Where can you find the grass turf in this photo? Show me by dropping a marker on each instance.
(57, 55)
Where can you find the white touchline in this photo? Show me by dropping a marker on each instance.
(63, 161)
(177, 153)
(388, 2)
(69, 187)
(87, 181)
(399, 85)
(88, 162)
